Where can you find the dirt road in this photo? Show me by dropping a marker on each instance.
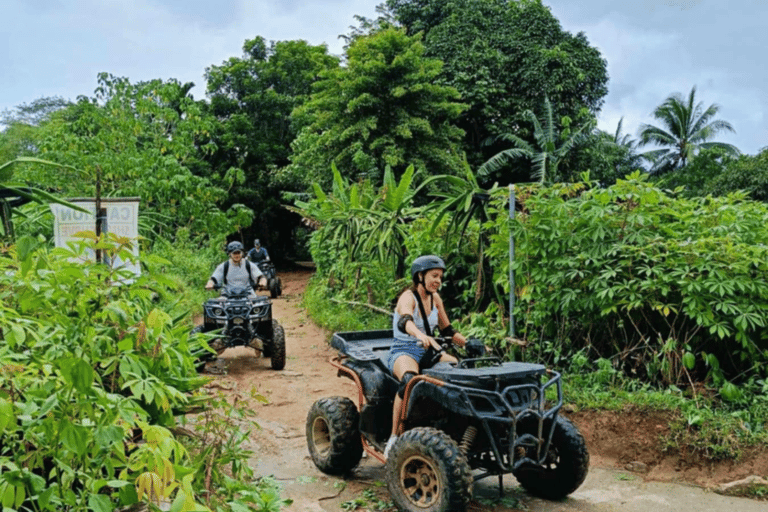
(280, 446)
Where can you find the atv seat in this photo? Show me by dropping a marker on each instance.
(365, 346)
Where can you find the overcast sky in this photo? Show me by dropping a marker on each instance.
(653, 47)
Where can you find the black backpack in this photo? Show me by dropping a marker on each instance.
(247, 269)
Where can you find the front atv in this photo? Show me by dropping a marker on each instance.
(480, 416)
(242, 320)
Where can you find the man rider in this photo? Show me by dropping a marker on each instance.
(258, 253)
(239, 271)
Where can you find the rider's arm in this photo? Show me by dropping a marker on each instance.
(443, 322)
(406, 305)
(266, 254)
(217, 277)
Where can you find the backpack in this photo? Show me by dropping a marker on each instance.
(247, 269)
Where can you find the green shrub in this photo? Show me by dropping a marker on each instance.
(94, 375)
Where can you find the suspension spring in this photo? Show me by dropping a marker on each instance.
(468, 439)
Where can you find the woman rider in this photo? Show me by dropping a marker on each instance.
(412, 336)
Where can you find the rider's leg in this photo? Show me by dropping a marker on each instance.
(448, 358)
(403, 364)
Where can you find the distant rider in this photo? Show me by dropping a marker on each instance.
(239, 271)
(258, 253)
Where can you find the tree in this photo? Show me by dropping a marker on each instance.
(382, 110)
(686, 128)
(17, 139)
(252, 97)
(549, 149)
(504, 57)
(143, 140)
(607, 156)
(747, 172)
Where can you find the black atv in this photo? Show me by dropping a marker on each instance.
(243, 321)
(459, 423)
(274, 283)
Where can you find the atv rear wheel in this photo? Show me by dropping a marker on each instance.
(333, 436)
(277, 350)
(426, 472)
(274, 288)
(565, 467)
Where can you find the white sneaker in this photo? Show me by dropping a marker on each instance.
(390, 443)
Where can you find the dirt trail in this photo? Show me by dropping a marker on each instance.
(614, 440)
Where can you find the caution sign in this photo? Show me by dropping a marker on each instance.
(121, 219)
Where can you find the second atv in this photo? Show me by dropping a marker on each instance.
(243, 321)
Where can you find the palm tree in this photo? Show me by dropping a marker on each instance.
(547, 152)
(687, 128)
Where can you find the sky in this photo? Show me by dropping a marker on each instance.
(653, 48)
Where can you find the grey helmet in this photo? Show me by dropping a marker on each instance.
(257, 243)
(234, 247)
(423, 263)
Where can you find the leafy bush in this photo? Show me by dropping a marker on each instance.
(94, 374)
(671, 289)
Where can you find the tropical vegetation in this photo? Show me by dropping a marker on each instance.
(687, 127)
(635, 271)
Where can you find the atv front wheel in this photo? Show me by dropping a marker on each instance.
(565, 467)
(426, 472)
(333, 436)
(277, 351)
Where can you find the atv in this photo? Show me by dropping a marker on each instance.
(459, 423)
(242, 321)
(274, 283)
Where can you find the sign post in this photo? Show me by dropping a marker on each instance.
(119, 216)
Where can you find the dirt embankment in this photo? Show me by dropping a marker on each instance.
(628, 441)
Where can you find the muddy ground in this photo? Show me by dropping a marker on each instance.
(628, 471)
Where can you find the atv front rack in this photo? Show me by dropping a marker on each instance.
(509, 406)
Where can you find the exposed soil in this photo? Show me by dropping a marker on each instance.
(629, 440)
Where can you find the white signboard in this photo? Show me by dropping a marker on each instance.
(122, 219)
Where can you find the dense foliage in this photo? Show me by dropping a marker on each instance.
(672, 290)
(94, 377)
(252, 98)
(140, 140)
(504, 57)
(381, 110)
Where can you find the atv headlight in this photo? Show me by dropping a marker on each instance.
(258, 311)
(217, 311)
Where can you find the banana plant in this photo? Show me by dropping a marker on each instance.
(388, 218)
(550, 147)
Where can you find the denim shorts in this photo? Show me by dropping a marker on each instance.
(410, 348)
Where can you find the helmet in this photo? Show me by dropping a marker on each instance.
(427, 262)
(234, 247)
(256, 243)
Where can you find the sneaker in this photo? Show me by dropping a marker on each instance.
(390, 443)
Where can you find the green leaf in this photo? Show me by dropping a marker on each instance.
(74, 438)
(730, 392)
(100, 503)
(689, 360)
(7, 415)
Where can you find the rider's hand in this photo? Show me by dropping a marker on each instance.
(429, 341)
